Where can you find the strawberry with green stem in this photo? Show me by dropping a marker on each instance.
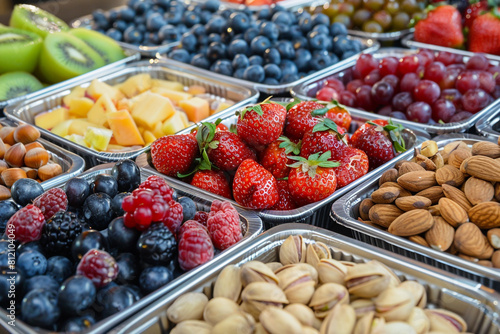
(275, 156)
(254, 187)
(174, 154)
(484, 34)
(324, 136)
(442, 26)
(339, 114)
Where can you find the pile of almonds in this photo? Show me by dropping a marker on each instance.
(21, 156)
(444, 199)
(309, 292)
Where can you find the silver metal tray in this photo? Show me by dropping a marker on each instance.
(409, 42)
(345, 212)
(475, 303)
(369, 45)
(251, 227)
(489, 126)
(71, 163)
(314, 213)
(310, 87)
(130, 57)
(27, 110)
(287, 4)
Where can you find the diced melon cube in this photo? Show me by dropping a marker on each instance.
(196, 90)
(50, 119)
(98, 88)
(62, 128)
(173, 85)
(80, 106)
(124, 104)
(97, 138)
(157, 130)
(195, 108)
(222, 106)
(79, 126)
(97, 114)
(173, 95)
(77, 139)
(75, 93)
(152, 109)
(124, 129)
(173, 124)
(135, 85)
(185, 119)
(149, 137)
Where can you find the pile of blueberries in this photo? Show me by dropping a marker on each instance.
(49, 293)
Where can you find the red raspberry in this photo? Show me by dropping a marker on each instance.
(27, 224)
(201, 217)
(285, 201)
(156, 183)
(143, 207)
(98, 266)
(195, 248)
(174, 217)
(224, 224)
(51, 201)
(190, 224)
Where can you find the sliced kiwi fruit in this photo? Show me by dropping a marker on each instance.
(32, 18)
(105, 46)
(15, 84)
(19, 50)
(65, 56)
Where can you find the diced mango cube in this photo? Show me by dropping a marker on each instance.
(173, 85)
(62, 128)
(80, 106)
(173, 95)
(97, 114)
(157, 130)
(75, 93)
(173, 124)
(152, 109)
(124, 104)
(135, 85)
(78, 139)
(97, 138)
(79, 126)
(98, 88)
(196, 108)
(50, 119)
(196, 90)
(149, 137)
(222, 106)
(124, 129)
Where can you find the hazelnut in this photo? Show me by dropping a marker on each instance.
(49, 171)
(3, 166)
(11, 175)
(7, 135)
(15, 155)
(4, 193)
(26, 133)
(30, 172)
(36, 157)
(3, 149)
(33, 145)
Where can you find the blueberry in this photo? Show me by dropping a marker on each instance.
(127, 175)
(216, 51)
(302, 59)
(158, 9)
(305, 24)
(113, 15)
(141, 27)
(260, 44)
(24, 191)
(285, 31)
(136, 291)
(33, 245)
(132, 35)
(256, 60)
(173, 18)
(199, 30)
(97, 210)
(226, 13)
(180, 55)
(320, 18)
(338, 29)
(215, 24)
(222, 66)
(122, 237)
(120, 25)
(240, 61)
(116, 204)
(341, 44)
(86, 241)
(213, 37)
(239, 22)
(227, 35)
(282, 17)
(100, 19)
(105, 183)
(114, 34)
(153, 278)
(188, 208)
(202, 41)
(254, 73)
(289, 77)
(128, 268)
(59, 268)
(7, 210)
(285, 49)
(141, 7)
(182, 28)
(238, 73)
(190, 19)
(40, 282)
(318, 41)
(320, 60)
(4, 258)
(116, 300)
(300, 43)
(126, 14)
(78, 324)
(211, 5)
(272, 71)
(39, 308)
(272, 56)
(77, 191)
(4, 245)
(322, 29)
(295, 32)
(76, 294)
(348, 54)
(32, 263)
(155, 21)
(277, 8)
(264, 14)
(205, 16)
(189, 41)
(271, 81)
(10, 283)
(237, 46)
(201, 61)
(288, 67)
(250, 34)
(270, 30)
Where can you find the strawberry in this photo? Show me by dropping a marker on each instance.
(353, 164)
(175, 154)
(339, 114)
(274, 157)
(484, 35)
(442, 26)
(324, 136)
(254, 187)
(380, 140)
(473, 11)
(214, 181)
(285, 202)
(302, 117)
(261, 124)
(312, 179)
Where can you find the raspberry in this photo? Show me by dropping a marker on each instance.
(195, 248)
(159, 185)
(27, 224)
(98, 266)
(201, 217)
(190, 224)
(157, 245)
(60, 231)
(143, 207)
(174, 217)
(51, 201)
(224, 224)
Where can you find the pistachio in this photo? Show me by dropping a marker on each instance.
(331, 271)
(419, 321)
(393, 278)
(326, 297)
(340, 320)
(429, 148)
(240, 323)
(293, 250)
(187, 307)
(398, 327)
(445, 321)
(317, 251)
(418, 292)
(438, 160)
(228, 283)
(363, 306)
(274, 265)
(219, 308)
(366, 280)
(369, 324)
(192, 326)
(309, 330)
(256, 271)
(277, 321)
(297, 283)
(394, 304)
(302, 313)
(258, 295)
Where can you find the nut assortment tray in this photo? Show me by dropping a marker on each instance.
(251, 226)
(475, 303)
(345, 212)
(308, 89)
(314, 213)
(27, 110)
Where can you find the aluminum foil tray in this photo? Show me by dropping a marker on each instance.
(345, 212)
(477, 304)
(489, 126)
(251, 227)
(308, 89)
(27, 110)
(288, 4)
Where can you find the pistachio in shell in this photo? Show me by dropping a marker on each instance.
(369, 323)
(297, 282)
(293, 250)
(331, 271)
(240, 323)
(363, 306)
(192, 326)
(398, 327)
(317, 251)
(258, 295)
(340, 320)
(256, 271)
(218, 309)
(445, 321)
(419, 321)
(228, 283)
(394, 304)
(326, 297)
(418, 292)
(366, 280)
(274, 266)
(276, 321)
(187, 307)
(302, 313)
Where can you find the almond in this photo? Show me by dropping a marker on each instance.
(417, 181)
(482, 167)
(410, 166)
(485, 215)
(451, 147)
(390, 175)
(457, 195)
(495, 258)
(453, 213)
(485, 263)
(434, 210)
(364, 208)
(418, 240)
(478, 191)
(456, 157)
(384, 214)
(385, 195)
(493, 236)
(413, 202)
(469, 240)
(425, 162)
(449, 175)
(486, 148)
(411, 223)
(402, 191)
(497, 191)
(433, 193)
(469, 258)
(440, 235)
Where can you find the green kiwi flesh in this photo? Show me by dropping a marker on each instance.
(105, 46)
(65, 56)
(15, 84)
(32, 18)
(19, 50)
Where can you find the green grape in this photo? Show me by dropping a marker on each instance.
(360, 17)
(409, 6)
(355, 3)
(372, 26)
(392, 7)
(346, 8)
(344, 19)
(400, 21)
(331, 10)
(374, 5)
(383, 18)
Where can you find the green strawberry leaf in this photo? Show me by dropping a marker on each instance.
(320, 111)
(293, 103)
(397, 140)
(213, 144)
(233, 128)
(205, 134)
(289, 146)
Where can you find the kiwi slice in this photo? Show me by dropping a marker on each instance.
(15, 84)
(32, 18)
(19, 50)
(105, 46)
(65, 56)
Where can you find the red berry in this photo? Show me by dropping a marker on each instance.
(224, 224)
(51, 201)
(159, 185)
(201, 217)
(27, 224)
(173, 217)
(191, 224)
(327, 94)
(98, 266)
(143, 207)
(195, 248)
(261, 124)
(214, 181)
(174, 154)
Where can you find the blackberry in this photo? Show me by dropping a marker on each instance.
(60, 231)
(157, 245)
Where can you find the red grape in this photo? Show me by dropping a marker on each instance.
(450, 77)
(444, 57)
(408, 64)
(486, 81)
(426, 56)
(435, 72)
(364, 97)
(452, 95)
(327, 94)
(398, 115)
(466, 81)
(495, 70)
(475, 100)
(385, 111)
(459, 59)
(461, 116)
(401, 101)
(419, 112)
(496, 92)
(408, 82)
(443, 110)
(388, 65)
(335, 84)
(382, 93)
(392, 80)
(365, 64)
(353, 85)
(426, 91)
(347, 98)
(477, 62)
(373, 77)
